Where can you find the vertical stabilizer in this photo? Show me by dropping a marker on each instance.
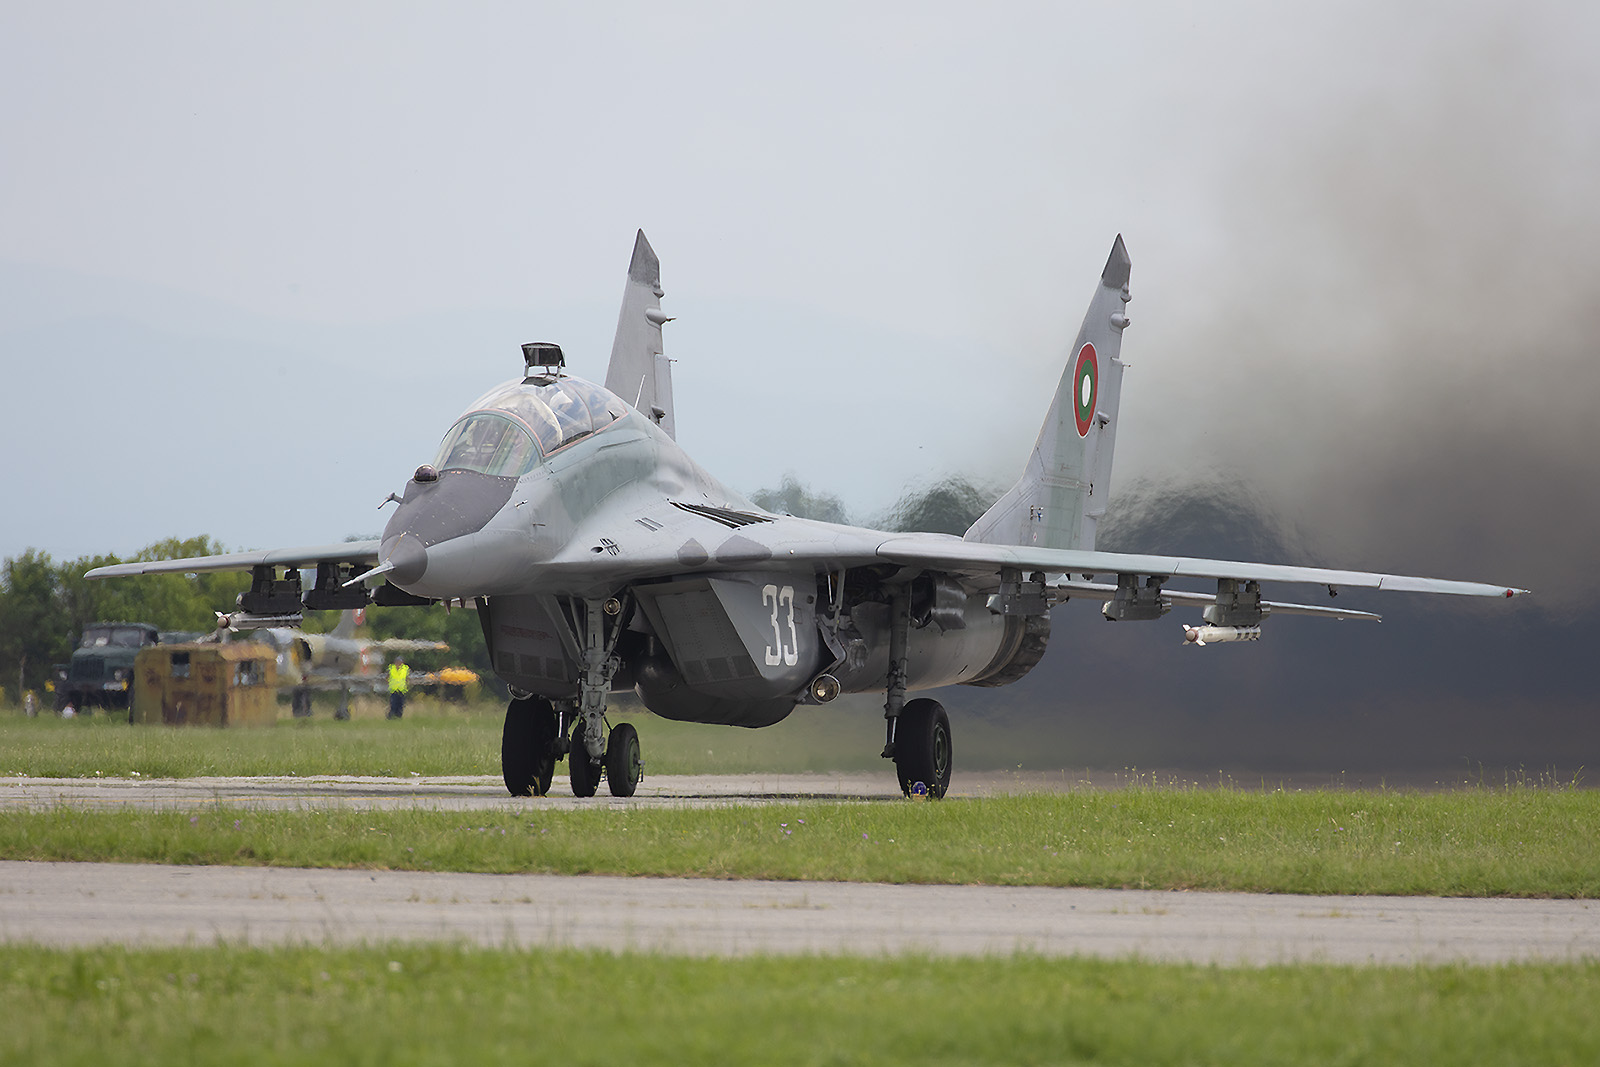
(639, 373)
(348, 621)
(1067, 483)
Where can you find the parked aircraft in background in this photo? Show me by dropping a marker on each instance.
(337, 661)
(600, 556)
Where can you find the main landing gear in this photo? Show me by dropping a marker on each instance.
(918, 731)
(536, 734)
(922, 748)
(528, 747)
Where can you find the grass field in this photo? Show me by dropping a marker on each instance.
(439, 1004)
(1512, 842)
(432, 739)
(443, 1003)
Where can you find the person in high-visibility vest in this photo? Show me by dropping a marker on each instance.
(398, 673)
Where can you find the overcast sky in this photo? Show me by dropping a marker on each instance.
(255, 258)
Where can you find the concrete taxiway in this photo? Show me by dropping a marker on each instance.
(88, 903)
(463, 793)
(487, 792)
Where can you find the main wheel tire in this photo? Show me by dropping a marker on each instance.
(623, 766)
(922, 749)
(526, 760)
(584, 772)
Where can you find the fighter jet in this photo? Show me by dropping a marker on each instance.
(338, 660)
(601, 557)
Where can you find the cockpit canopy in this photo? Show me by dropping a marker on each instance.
(513, 426)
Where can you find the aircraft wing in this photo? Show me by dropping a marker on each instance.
(968, 557)
(1066, 589)
(343, 552)
(408, 644)
(767, 541)
(333, 683)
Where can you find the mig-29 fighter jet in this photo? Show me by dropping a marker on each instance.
(338, 661)
(601, 557)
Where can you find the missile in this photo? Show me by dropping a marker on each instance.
(1216, 635)
(244, 620)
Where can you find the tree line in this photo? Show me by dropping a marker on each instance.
(45, 605)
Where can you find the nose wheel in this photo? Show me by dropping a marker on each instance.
(621, 765)
(584, 770)
(624, 768)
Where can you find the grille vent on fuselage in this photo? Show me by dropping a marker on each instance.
(726, 516)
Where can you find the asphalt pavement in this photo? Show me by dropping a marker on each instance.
(141, 904)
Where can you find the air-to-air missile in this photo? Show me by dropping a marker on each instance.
(1216, 635)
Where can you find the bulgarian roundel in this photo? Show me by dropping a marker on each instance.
(1085, 388)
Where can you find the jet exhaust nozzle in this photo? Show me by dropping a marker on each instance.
(823, 688)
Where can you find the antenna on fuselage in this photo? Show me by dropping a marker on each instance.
(544, 355)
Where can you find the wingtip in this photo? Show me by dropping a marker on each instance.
(1118, 265)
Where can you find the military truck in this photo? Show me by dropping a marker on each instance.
(100, 674)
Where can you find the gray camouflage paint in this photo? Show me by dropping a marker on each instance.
(625, 512)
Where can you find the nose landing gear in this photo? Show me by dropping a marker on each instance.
(583, 768)
(531, 744)
(624, 768)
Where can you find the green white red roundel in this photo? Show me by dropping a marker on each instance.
(1085, 388)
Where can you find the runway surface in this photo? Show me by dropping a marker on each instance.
(65, 904)
(87, 903)
(467, 792)
(487, 792)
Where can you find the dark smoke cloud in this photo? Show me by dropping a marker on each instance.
(1400, 375)
(1475, 687)
(1409, 368)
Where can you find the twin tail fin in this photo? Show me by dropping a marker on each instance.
(1066, 484)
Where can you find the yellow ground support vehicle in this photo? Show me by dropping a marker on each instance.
(206, 684)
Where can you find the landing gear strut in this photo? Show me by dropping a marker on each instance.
(917, 732)
(533, 736)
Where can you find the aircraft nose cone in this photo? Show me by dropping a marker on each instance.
(410, 560)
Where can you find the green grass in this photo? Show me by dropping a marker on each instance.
(432, 739)
(1514, 842)
(447, 1004)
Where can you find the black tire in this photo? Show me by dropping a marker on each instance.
(623, 766)
(300, 703)
(526, 760)
(922, 749)
(584, 773)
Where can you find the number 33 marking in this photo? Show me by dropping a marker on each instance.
(786, 652)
